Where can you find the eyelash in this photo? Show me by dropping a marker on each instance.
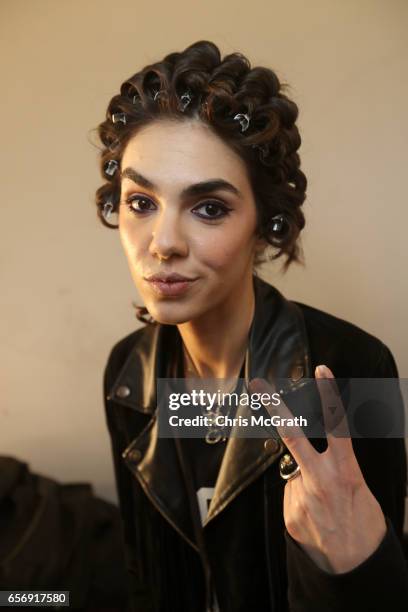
(226, 211)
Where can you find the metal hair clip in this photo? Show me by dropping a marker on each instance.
(243, 119)
(119, 117)
(185, 100)
(107, 209)
(277, 223)
(157, 94)
(111, 166)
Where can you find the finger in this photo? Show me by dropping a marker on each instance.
(292, 496)
(287, 500)
(334, 414)
(292, 434)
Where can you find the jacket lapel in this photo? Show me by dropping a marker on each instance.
(151, 458)
(277, 348)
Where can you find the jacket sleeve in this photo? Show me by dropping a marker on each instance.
(139, 594)
(380, 581)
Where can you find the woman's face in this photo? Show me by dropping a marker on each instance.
(186, 207)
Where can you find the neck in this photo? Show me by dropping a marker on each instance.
(217, 341)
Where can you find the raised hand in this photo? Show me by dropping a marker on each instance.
(328, 508)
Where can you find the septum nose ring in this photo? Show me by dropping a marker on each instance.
(160, 257)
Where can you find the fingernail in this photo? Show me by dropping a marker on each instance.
(323, 371)
(256, 385)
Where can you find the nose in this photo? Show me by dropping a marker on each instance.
(168, 237)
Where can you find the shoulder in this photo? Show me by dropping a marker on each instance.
(346, 348)
(336, 329)
(121, 350)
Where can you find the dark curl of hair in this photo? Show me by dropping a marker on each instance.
(220, 88)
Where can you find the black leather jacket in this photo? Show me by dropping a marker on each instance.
(254, 563)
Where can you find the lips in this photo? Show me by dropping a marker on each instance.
(173, 285)
(169, 278)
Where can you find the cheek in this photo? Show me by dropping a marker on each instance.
(132, 243)
(219, 247)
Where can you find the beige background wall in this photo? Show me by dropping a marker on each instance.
(66, 290)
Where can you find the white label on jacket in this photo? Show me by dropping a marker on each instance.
(204, 496)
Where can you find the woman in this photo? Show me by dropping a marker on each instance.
(202, 170)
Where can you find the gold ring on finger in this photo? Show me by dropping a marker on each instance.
(288, 468)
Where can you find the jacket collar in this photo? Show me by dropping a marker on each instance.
(277, 348)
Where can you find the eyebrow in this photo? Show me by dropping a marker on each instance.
(204, 187)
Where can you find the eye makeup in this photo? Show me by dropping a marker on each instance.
(209, 205)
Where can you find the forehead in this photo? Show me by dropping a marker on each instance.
(182, 151)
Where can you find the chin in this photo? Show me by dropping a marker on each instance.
(171, 314)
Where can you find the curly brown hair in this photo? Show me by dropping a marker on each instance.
(217, 89)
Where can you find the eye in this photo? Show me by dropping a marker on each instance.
(211, 207)
(143, 204)
(140, 205)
